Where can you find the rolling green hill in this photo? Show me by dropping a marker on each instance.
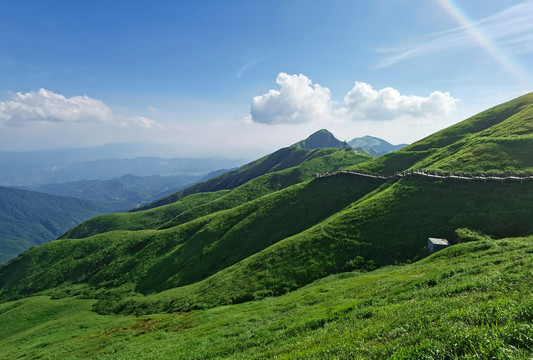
(267, 230)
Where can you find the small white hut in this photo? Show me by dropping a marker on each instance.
(435, 244)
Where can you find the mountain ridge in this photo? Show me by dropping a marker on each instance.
(279, 160)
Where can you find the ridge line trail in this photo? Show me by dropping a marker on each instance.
(435, 175)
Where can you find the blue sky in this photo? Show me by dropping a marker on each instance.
(222, 77)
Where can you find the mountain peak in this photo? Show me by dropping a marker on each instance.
(374, 145)
(321, 139)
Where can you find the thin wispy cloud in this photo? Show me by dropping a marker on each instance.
(510, 30)
(246, 67)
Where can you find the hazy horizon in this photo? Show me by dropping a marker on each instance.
(168, 150)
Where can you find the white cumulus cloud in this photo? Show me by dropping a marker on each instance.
(297, 101)
(362, 102)
(300, 101)
(45, 105)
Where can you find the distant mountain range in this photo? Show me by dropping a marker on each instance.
(369, 144)
(374, 146)
(31, 218)
(124, 193)
(82, 154)
(24, 169)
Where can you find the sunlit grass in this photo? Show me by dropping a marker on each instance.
(470, 300)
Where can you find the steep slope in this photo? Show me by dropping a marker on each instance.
(30, 218)
(282, 159)
(374, 146)
(499, 139)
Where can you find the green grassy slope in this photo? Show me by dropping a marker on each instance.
(198, 205)
(141, 220)
(473, 300)
(271, 245)
(497, 140)
(153, 260)
(392, 225)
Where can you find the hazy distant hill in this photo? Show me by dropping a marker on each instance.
(23, 174)
(31, 218)
(83, 154)
(125, 193)
(373, 145)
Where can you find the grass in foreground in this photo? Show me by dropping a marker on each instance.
(473, 300)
